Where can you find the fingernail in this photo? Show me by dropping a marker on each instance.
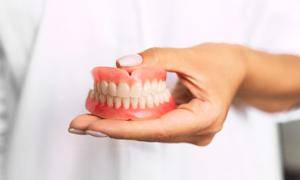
(130, 60)
(95, 133)
(76, 131)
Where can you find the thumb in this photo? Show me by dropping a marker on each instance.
(166, 58)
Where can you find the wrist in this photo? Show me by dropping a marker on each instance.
(271, 80)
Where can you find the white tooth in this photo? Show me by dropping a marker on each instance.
(149, 101)
(136, 90)
(118, 102)
(97, 96)
(160, 86)
(161, 98)
(156, 99)
(102, 98)
(123, 90)
(154, 87)
(164, 86)
(95, 86)
(166, 96)
(126, 103)
(142, 102)
(110, 101)
(112, 89)
(134, 102)
(104, 87)
(146, 88)
(92, 94)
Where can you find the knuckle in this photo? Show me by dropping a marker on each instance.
(155, 53)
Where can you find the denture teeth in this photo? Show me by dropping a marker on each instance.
(96, 87)
(161, 98)
(102, 98)
(123, 90)
(159, 86)
(166, 95)
(134, 102)
(118, 102)
(149, 95)
(92, 94)
(142, 102)
(136, 90)
(146, 88)
(110, 101)
(104, 87)
(156, 100)
(112, 89)
(149, 101)
(154, 87)
(97, 96)
(126, 103)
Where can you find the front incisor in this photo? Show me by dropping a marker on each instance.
(136, 90)
(149, 101)
(142, 102)
(126, 103)
(134, 102)
(123, 90)
(146, 88)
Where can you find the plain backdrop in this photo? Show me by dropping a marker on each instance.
(49, 48)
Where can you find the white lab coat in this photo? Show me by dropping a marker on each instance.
(74, 36)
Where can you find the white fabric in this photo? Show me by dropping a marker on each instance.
(77, 35)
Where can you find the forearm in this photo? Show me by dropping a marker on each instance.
(272, 82)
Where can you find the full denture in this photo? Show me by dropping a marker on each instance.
(118, 94)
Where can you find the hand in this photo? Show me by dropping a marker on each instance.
(209, 77)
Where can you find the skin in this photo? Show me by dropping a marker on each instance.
(211, 77)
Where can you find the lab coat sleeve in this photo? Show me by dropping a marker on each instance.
(19, 22)
(3, 108)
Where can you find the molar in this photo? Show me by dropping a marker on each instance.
(161, 86)
(92, 94)
(166, 95)
(161, 98)
(156, 99)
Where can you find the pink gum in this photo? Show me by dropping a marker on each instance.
(118, 75)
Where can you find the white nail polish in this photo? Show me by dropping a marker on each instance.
(95, 133)
(76, 131)
(130, 60)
